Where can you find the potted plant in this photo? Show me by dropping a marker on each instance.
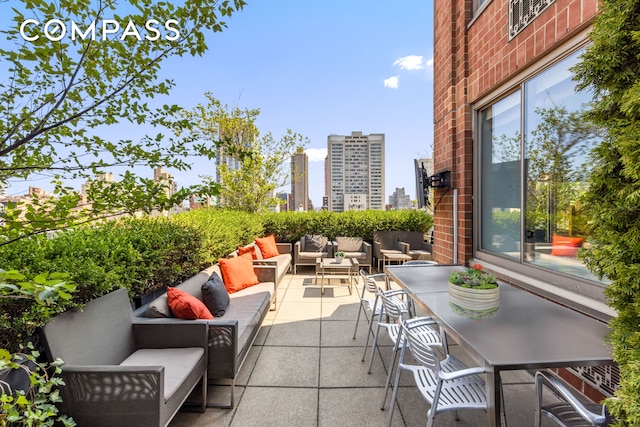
(339, 257)
(474, 289)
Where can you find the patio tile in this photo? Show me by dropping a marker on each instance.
(304, 333)
(266, 406)
(342, 367)
(300, 294)
(360, 406)
(339, 333)
(339, 311)
(286, 367)
(298, 311)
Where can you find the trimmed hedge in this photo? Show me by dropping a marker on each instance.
(290, 226)
(147, 254)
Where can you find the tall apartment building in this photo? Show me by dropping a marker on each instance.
(299, 182)
(399, 200)
(356, 172)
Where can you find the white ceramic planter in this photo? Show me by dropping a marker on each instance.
(339, 259)
(474, 299)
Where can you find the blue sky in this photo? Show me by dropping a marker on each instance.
(321, 68)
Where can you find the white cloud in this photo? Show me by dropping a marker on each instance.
(316, 154)
(392, 82)
(411, 62)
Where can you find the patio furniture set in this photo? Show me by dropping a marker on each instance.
(528, 332)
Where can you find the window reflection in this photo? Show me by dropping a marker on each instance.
(552, 155)
(500, 201)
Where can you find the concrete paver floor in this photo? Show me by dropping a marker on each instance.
(305, 369)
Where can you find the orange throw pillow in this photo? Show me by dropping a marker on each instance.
(237, 273)
(565, 246)
(267, 246)
(186, 306)
(251, 249)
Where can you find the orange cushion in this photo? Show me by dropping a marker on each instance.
(186, 306)
(267, 246)
(251, 249)
(565, 246)
(237, 273)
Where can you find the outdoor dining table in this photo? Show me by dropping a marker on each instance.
(526, 332)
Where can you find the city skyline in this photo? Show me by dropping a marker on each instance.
(318, 72)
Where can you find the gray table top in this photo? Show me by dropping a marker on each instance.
(526, 332)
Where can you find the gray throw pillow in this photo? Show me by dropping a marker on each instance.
(314, 243)
(215, 295)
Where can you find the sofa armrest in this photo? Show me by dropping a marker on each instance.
(91, 395)
(170, 333)
(376, 249)
(265, 273)
(367, 249)
(297, 248)
(404, 247)
(284, 248)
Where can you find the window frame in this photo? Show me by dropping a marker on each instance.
(582, 294)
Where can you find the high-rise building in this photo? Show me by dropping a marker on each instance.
(159, 175)
(299, 181)
(356, 172)
(399, 200)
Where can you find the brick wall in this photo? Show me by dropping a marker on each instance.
(468, 64)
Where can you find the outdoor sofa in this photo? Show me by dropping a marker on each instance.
(231, 334)
(119, 372)
(266, 251)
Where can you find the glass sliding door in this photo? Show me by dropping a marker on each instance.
(534, 163)
(500, 179)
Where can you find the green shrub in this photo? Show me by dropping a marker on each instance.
(290, 226)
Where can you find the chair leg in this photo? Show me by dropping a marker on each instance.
(370, 330)
(393, 361)
(396, 383)
(373, 347)
(358, 319)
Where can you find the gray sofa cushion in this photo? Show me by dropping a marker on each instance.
(215, 295)
(312, 255)
(177, 362)
(314, 243)
(360, 256)
(349, 244)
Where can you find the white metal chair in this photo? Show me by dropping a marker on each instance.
(369, 287)
(447, 385)
(424, 327)
(401, 308)
(570, 411)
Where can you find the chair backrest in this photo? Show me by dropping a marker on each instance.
(101, 333)
(386, 239)
(370, 283)
(394, 307)
(420, 351)
(313, 243)
(420, 262)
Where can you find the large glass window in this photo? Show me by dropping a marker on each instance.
(500, 188)
(532, 180)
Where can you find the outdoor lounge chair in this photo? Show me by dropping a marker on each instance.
(308, 248)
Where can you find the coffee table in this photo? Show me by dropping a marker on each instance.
(392, 257)
(348, 267)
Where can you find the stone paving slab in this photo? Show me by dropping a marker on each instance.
(305, 370)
